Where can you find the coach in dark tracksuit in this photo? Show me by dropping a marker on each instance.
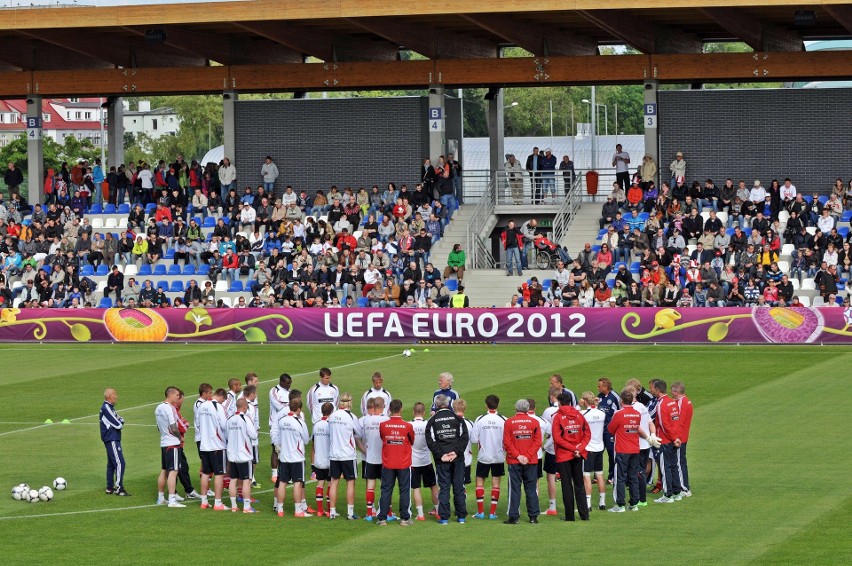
(447, 438)
(111, 425)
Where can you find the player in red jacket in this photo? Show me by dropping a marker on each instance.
(397, 439)
(669, 431)
(571, 435)
(521, 441)
(625, 427)
(684, 406)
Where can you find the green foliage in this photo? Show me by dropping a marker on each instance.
(54, 154)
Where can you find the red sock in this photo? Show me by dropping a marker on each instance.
(318, 494)
(480, 496)
(371, 496)
(495, 497)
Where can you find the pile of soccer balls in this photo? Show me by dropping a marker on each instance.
(23, 492)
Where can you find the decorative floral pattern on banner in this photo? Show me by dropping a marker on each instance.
(778, 325)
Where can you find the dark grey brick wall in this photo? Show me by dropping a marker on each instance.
(348, 142)
(759, 134)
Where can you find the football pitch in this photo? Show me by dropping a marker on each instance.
(769, 465)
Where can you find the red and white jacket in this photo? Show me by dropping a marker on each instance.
(684, 407)
(570, 432)
(668, 420)
(522, 437)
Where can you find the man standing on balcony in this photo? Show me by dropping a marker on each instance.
(514, 173)
(534, 166)
(621, 162)
(548, 176)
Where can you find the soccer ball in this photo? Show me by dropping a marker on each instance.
(17, 492)
(406, 353)
(59, 484)
(33, 496)
(45, 494)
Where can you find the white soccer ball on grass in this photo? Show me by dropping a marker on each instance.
(17, 492)
(59, 484)
(45, 493)
(33, 496)
(406, 353)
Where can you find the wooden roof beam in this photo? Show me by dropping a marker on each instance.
(758, 35)
(428, 40)
(105, 50)
(841, 13)
(538, 39)
(35, 55)
(643, 33)
(322, 44)
(210, 47)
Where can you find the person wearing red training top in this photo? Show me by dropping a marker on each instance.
(684, 406)
(521, 441)
(397, 440)
(571, 435)
(668, 426)
(625, 427)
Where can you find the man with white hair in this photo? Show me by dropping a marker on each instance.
(521, 441)
(445, 387)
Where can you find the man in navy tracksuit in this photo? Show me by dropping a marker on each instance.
(609, 403)
(447, 437)
(111, 425)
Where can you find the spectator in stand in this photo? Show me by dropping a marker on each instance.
(648, 172)
(568, 174)
(514, 174)
(269, 173)
(621, 162)
(513, 243)
(608, 212)
(678, 169)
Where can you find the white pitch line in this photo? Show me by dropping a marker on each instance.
(88, 511)
(126, 409)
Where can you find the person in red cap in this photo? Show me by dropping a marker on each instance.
(571, 435)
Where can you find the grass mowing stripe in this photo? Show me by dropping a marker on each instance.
(148, 405)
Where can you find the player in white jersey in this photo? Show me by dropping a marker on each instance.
(320, 459)
(170, 450)
(646, 424)
(346, 438)
(376, 391)
(234, 388)
(279, 400)
(422, 469)
(593, 464)
(491, 458)
(205, 393)
(249, 393)
(372, 463)
(212, 425)
(324, 391)
(241, 431)
(290, 438)
(459, 408)
(549, 450)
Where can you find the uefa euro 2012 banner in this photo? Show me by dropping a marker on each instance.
(761, 325)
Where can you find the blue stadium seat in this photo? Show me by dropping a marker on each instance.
(209, 222)
(226, 220)
(160, 269)
(847, 216)
(170, 254)
(547, 283)
(96, 209)
(204, 269)
(452, 284)
(729, 231)
(145, 269)
(596, 249)
(808, 198)
(635, 265)
(27, 221)
(644, 216)
(105, 303)
(236, 287)
(615, 267)
(188, 269)
(823, 199)
(162, 284)
(176, 287)
(109, 209)
(150, 207)
(87, 271)
(843, 231)
(610, 283)
(124, 209)
(747, 232)
(209, 236)
(103, 269)
(363, 302)
(174, 269)
(198, 220)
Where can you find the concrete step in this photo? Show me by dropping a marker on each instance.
(492, 287)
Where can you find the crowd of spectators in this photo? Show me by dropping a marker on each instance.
(331, 248)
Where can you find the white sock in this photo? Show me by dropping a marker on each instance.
(161, 496)
(274, 474)
(350, 510)
(589, 501)
(233, 502)
(204, 500)
(419, 510)
(602, 498)
(552, 504)
(246, 503)
(217, 502)
(304, 505)
(332, 511)
(297, 507)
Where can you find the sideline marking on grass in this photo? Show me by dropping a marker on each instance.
(87, 511)
(126, 409)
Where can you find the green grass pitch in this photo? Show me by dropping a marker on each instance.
(769, 465)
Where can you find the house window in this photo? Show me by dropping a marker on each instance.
(73, 100)
(78, 115)
(154, 124)
(88, 115)
(45, 117)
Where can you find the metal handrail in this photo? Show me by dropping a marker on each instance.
(568, 211)
(478, 254)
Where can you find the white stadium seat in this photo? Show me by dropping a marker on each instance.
(808, 285)
(221, 287)
(806, 301)
(130, 269)
(97, 222)
(784, 266)
(795, 283)
(111, 223)
(788, 249)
